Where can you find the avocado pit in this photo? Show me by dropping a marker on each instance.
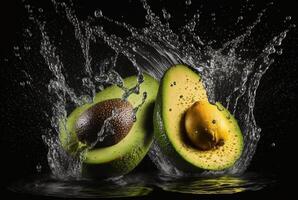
(205, 126)
(105, 123)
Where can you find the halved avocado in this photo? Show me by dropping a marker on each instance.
(182, 89)
(124, 156)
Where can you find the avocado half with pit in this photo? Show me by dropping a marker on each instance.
(194, 134)
(121, 152)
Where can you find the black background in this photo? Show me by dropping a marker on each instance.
(275, 111)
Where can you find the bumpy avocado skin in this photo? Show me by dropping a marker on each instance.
(164, 142)
(133, 153)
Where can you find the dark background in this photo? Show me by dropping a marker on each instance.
(275, 111)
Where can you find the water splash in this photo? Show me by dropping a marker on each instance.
(229, 74)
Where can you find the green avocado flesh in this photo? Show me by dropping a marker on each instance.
(180, 88)
(124, 156)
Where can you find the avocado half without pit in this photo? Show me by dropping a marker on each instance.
(119, 148)
(194, 134)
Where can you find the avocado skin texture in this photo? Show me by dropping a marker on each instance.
(162, 138)
(90, 122)
(124, 156)
(117, 167)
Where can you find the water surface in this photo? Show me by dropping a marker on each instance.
(140, 185)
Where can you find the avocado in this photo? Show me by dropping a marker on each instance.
(124, 156)
(114, 116)
(194, 134)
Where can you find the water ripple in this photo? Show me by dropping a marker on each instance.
(139, 185)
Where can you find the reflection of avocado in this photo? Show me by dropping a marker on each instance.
(124, 156)
(194, 134)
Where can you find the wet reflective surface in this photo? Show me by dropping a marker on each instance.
(216, 185)
(140, 185)
(47, 186)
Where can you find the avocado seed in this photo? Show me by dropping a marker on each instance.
(206, 126)
(115, 115)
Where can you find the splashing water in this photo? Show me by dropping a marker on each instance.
(229, 74)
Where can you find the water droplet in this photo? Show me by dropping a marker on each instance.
(98, 13)
(273, 144)
(270, 3)
(279, 52)
(240, 18)
(191, 26)
(197, 15)
(18, 56)
(148, 17)
(134, 118)
(213, 16)
(200, 69)
(27, 48)
(146, 30)
(188, 2)
(28, 32)
(214, 121)
(144, 95)
(165, 14)
(38, 167)
(141, 78)
(99, 29)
